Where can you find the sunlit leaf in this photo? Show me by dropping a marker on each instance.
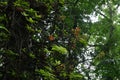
(25, 14)
(83, 41)
(32, 55)
(59, 49)
(37, 16)
(30, 20)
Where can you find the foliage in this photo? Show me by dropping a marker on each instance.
(59, 49)
(56, 40)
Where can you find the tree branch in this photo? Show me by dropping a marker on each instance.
(94, 45)
(102, 14)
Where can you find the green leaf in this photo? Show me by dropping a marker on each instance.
(61, 1)
(83, 41)
(31, 11)
(47, 75)
(57, 62)
(37, 16)
(75, 76)
(11, 53)
(32, 55)
(3, 28)
(59, 49)
(30, 20)
(25, 14)
(46, 50)
(30, 29)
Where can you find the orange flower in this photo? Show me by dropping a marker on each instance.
(51, 37)
(77, 30)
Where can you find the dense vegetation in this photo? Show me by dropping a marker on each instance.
(57, 40)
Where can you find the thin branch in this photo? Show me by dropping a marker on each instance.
(95, 45)
(102, 14)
